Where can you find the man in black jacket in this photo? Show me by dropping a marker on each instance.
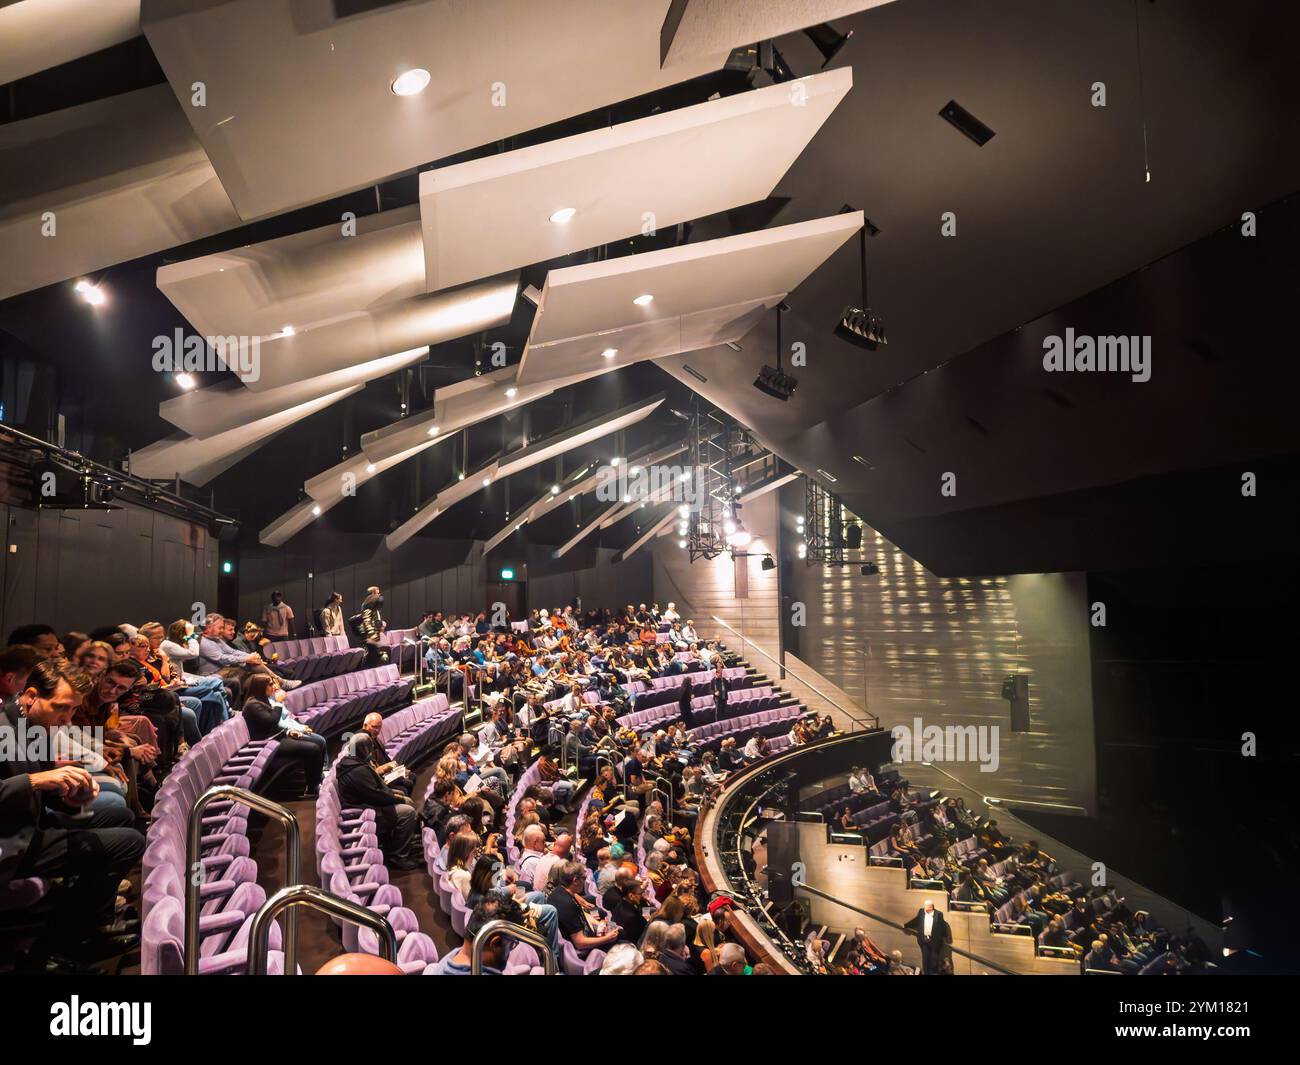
(47, 828)
(718, 687)
(399, 826)
(934, 935)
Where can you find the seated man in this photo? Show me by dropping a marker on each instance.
(399, 826)
(579, 922)
(52, 829)
(384, 765)
(494, 906)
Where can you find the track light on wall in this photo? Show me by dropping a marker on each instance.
(773, 381)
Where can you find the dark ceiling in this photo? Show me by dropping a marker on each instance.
(1054, 214)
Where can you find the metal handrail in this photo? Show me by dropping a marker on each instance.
(852, 716)
(193, 862)
(511, 931)
(668, 806)
(900, 928)
(295, 895)
(994, 800)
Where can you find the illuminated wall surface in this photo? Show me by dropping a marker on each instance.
(939, 649)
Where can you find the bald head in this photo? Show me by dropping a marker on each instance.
(534, 838)
(373, 723)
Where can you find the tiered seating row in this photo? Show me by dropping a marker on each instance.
(332, 704)
(230, 894)
(320, 656)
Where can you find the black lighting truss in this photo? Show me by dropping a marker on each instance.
(823, 524)
(709, 453)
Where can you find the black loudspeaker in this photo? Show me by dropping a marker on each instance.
(227, 532)
(853, 537)
(782, 855)
(1015, 690)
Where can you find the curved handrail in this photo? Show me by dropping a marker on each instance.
(194, 867)
(872, 720)
(511, 931)
(295, 895)
(996, 800)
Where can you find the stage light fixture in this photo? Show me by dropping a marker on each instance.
(371, 467)
(768, 563)
(773, 381)
(870, 569)
(511, 392)
(564, 215)
(681, 543)
(186, 381)
(555, 489)
(315, 511)
(853, 537)
(861, 325)
(609, 353)
(92, 294)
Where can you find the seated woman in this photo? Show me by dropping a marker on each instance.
(298, 745)
(213, 708)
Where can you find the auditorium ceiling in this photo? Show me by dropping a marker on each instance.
(436, 280)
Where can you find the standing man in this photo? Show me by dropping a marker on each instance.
(718, 685)
(934, 935)
(372, 625)
(277, 618)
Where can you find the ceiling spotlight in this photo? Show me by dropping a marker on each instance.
(634, 470)
(768, 562)
(642, 300)
(828, 40)
(410, 82)
(186, 381)
(92, 294)
(370, 467)
(627, 499)
(287, 331)
(609, 353)
(563, 215)
(740, 538)
(681, 543)
(433, 430)
(729, 527)
(511, 392)
(460, 476)
(803, 550)
(487, 481)
(772, 380)
(615, 461)
(861, 325)
(555, 489)
(315, 511)
(683, 510)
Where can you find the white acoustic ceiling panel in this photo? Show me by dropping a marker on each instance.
(319, 275)
(661, 526)
(694, 28)
(40, 34)
(326, 489)
(320, 117)
(198, 461)
(459, 406)
(586, 530)
(519, 460)
(84, 170)
(494, 214)
(699, 293)
(576, 485)
(208, 411)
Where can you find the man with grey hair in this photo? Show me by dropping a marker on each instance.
(676, 956)
(731, 961)
(534, 849)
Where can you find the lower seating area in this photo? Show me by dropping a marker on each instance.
(229, 893)
(770, 723)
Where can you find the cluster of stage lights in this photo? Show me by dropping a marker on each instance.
(802, 549)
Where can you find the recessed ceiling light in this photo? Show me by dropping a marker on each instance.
(511, 392)
(681, 543)
(186, 381)
(609, 353)
(460, 477)
(615, 461)
(642, 300)
(316, 511)
(487, 481)
(433, 430)
(563, 215)
(370, 467)
(287, 331)
(92, 294)
(410, 82)
(555, 489)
